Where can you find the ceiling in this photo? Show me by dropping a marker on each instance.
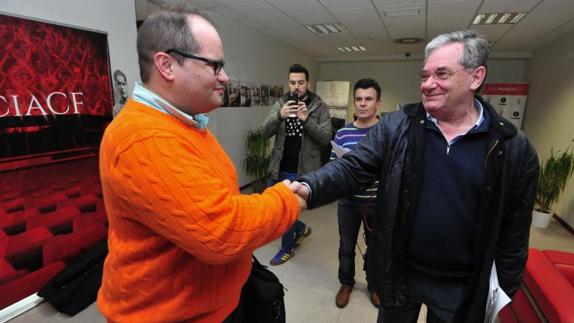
(375, 24)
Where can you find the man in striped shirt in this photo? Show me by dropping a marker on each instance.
(353, 210)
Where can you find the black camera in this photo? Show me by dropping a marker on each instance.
(292, 96)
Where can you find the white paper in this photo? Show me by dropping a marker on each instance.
(497, 298)
(339, 150)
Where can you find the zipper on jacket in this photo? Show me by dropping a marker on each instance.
(489, 152)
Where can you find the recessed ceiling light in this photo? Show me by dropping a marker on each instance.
(478, 19)
(498, 18)
(408, 40)
(329, 28)
(490, 18)
(503, 18)
(352, 49)
(517, 17)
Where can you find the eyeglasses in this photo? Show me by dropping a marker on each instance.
(216, 65)
(438, 75)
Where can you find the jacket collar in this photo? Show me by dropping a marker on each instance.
(500, 126)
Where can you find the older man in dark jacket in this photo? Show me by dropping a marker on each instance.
(457, 186)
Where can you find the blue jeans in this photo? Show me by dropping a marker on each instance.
(350, 216)
(288, 239)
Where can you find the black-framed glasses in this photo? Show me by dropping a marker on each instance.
(216, 65)
(440, 74)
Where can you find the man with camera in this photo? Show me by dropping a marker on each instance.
(301, 124)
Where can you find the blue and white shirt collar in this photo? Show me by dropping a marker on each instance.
(149, 98)
(478, 122)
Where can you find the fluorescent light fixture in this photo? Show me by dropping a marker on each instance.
(352, 49)
(517, 17)
(500, 18)
(490, 19)
(478, 19)
(329, 28)
(503, 18)
(402, 12)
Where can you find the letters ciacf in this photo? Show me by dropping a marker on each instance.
(56, 103)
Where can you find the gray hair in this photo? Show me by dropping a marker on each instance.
(475, 47)
(163, 30)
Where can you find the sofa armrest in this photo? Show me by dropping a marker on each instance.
(564, 261)
(552, 292)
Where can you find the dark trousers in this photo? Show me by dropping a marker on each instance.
(350, 217)
(442, 296)
(288, 238)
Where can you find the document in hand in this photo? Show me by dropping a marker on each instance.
(497, 298)
(339, 150)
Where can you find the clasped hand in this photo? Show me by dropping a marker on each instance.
(301, 192)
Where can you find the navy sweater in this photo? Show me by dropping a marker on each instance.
(442, 238)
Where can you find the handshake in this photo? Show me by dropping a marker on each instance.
(301, 192)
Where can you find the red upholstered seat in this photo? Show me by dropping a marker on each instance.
(45, 204)
(549, 289)
(14, 222)
(57, 221)
(8, 273)
(12, 205)
(85, 203)
(25, 244)
(67, 246)
(87, 219)
(19, 288)
(564, 261)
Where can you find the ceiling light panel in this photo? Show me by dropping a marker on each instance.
(500, 18)
(330, 28)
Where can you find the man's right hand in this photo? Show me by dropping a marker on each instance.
(297, 188)
(289, 108)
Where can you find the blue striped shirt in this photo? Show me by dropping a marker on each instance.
(348, 137)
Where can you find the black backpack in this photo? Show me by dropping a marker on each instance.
(262, 296)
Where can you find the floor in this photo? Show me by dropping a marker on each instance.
(311, 276)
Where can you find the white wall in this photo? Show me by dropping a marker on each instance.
(116, 18)
(550, 108)
(399, 78)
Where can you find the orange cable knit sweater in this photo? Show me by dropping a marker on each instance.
(180, 233)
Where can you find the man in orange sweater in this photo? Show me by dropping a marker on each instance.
(181, 235)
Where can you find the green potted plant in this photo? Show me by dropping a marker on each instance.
(256, 162)
(554, 173)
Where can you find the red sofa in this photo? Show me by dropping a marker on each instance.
(547, 292)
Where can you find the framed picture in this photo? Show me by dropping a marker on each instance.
(55, 103)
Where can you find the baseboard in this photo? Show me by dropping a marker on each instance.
(10, 312)
(564, 224)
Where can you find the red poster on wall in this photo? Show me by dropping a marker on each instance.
(55, 102)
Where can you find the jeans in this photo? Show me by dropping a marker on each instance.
(441, 295)
(288, 239)
(350, 217)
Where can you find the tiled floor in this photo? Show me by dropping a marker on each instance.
(311, 276)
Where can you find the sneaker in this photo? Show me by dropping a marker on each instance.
(281, 257)
(300, 237)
